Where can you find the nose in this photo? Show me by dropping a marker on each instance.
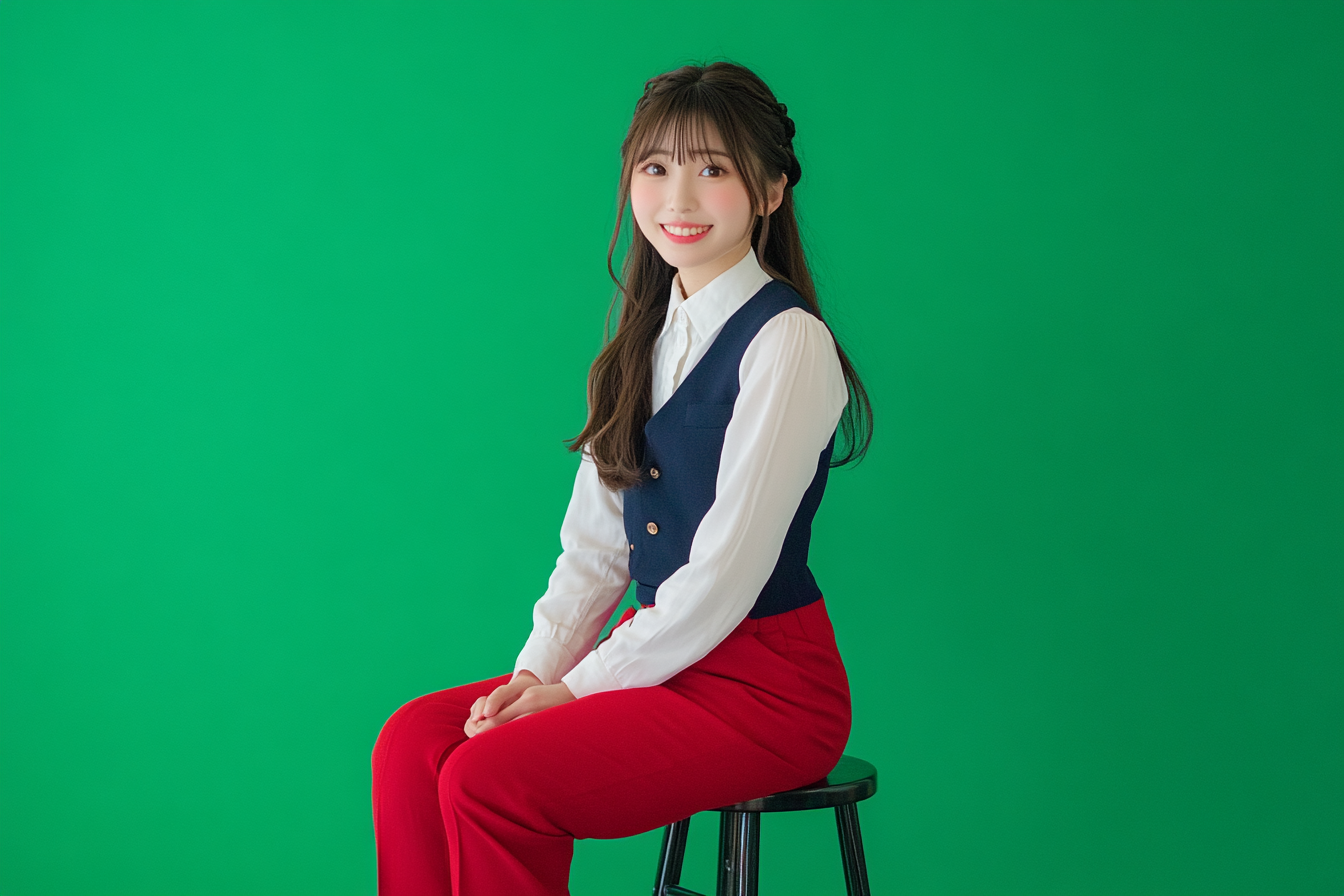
(681, 190)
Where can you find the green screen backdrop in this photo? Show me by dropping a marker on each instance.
(296, 305)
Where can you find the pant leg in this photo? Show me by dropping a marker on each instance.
(766, 710)
(407, 826)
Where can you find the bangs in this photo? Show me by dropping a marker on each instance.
(680, 126)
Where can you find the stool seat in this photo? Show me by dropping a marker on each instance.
(850, 781)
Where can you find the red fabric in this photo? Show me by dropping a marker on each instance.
(497, 814)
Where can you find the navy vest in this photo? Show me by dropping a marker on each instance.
(682, 446)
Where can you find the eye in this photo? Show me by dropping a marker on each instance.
(715, 168)
(652, 168)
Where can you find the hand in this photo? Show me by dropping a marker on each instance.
(520, 697)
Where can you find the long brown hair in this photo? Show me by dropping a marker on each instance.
(757, 134)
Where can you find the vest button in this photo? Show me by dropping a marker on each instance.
(653, 528)
(653, 471)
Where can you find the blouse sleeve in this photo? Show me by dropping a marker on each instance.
(590, 577)
(792, 392)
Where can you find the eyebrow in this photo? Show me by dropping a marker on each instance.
(660, 151)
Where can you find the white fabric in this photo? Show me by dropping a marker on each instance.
(791, 397)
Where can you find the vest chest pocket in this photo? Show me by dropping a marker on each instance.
(708, 415)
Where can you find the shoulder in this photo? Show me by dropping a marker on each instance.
(777, 296)
(792, 360)
(786, 323)
(793, 329)
(792, 342)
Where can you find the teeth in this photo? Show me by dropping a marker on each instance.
(685, 231)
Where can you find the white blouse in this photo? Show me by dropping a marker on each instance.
(791, 397)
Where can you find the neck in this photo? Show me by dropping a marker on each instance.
(694, 279)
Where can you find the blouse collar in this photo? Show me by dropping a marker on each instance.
(711, 305)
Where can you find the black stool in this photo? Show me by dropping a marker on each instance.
(740, 832)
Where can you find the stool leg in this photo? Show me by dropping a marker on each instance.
(851, 850)
(751, 847)
(727, 826)
(669, 859)
(739, 853)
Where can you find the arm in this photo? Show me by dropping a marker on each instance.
(590, 577)
(791, 397)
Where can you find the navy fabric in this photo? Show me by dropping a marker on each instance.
(684, 442)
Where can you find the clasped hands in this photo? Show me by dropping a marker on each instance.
(520, 697)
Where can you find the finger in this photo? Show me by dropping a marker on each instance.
(506, 714)
(501, 697)
(531, 701)
(486, 724)
(476, 709)
(525, 705)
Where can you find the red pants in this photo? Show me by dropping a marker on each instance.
(497, 814)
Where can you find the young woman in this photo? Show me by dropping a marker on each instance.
(712, 420)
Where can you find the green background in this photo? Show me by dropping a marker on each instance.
(296, 305)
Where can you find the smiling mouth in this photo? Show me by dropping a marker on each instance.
(679, 234)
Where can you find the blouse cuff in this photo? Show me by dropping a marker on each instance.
(544, 658)
(590, 676)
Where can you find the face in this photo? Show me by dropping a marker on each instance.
(695, 213)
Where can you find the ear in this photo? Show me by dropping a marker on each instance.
(776, 195)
